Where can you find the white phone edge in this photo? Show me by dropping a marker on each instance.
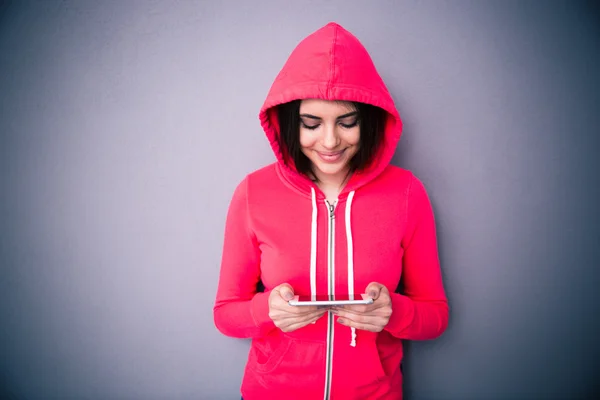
(296, 303)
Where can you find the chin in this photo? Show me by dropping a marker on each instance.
(331, 170)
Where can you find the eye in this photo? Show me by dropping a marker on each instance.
(311, 127)
(350, 125)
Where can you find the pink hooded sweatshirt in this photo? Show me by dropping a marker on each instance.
(280, 229)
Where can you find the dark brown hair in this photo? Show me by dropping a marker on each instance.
(371, 120)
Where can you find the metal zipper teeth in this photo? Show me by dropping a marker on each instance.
(329, 355)
(331, 293)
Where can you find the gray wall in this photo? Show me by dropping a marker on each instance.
(125, 126)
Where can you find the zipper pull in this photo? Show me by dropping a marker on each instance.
(331, 210)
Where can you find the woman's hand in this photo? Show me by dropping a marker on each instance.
(372, 317)
(289, 318)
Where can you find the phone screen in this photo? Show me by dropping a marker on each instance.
(338, 297)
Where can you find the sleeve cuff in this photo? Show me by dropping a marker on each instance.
(403, 313)
(259, 308)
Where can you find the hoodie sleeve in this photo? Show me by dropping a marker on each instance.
(240, 311)
(421, 312)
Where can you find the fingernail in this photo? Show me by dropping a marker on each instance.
(341, 321)
(372, 294)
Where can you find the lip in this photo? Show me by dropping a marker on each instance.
(331, 157)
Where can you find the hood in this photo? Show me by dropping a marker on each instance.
(331, 64)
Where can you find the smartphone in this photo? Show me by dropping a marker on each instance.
(325, 300)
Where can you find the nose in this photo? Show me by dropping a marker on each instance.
(330, 138)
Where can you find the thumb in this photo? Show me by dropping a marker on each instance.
(373, 290)
(286, 291)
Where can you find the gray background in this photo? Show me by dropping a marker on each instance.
(126, 125)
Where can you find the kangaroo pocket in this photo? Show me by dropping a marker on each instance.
(280, 361)
(357, 369)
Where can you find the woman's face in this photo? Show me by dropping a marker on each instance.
(329, 136)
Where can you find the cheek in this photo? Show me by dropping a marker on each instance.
(353, 137)
(306, 139)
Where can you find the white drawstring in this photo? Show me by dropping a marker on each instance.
(350, 260)
(313, 248)
(313, 253)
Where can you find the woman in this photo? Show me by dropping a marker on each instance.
(331, 216)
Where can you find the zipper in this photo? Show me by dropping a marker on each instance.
(331, 294)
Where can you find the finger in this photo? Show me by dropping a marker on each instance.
(360, 308)
(296, 310)
(286, 291)
(307, 317)
(283, 315)
(371, 319)
(380, 302)
(374, 290)
(361, 326)
(299, 324)
(353, 314)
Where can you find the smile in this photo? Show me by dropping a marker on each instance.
(331, 157)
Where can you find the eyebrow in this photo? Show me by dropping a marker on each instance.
(350, 114)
